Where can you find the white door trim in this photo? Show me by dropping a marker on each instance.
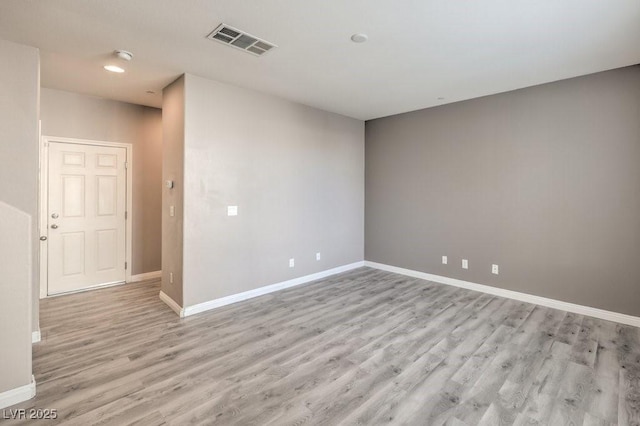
(44, 205)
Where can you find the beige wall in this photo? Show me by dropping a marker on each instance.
(16, 253)
(296, 174)
(544, 182)
(19, 85)
(147, 190)
(73, 115)
(173, 111)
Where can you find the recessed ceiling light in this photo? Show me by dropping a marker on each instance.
(359, 38)
(113, 68)
(151, 92)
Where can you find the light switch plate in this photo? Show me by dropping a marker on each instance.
(232, 210)
(445, 260)
(465, 264)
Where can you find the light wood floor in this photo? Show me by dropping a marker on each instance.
(364, 347)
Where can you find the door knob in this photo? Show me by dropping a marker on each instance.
(54, 226)
(43, 238)
(55, 215)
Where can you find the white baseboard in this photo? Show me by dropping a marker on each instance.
(516, 295)
(172, 304)
(35, 336)
(146, 276)
(82, 290)
(234, 298)
(18, 395)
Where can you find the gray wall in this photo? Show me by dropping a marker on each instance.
(73, 115)
(296, 174)
(543, 181)
(19, 85)
(173, 112)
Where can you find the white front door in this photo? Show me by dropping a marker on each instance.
(86, 216)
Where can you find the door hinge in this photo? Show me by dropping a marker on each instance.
(125, 265)
(126, 215)
(126, 165)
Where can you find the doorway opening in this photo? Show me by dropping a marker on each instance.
(86, 205)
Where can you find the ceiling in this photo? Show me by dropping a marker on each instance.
(420, 53)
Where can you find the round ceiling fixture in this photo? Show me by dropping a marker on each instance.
(124, 55)
(359, 38)
(113, 68)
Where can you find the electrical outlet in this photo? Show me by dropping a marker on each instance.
(292, 263)
(494, 269)
(465, 264)
(172, 211)
(232, 210)
(444, 260)
(318, 257)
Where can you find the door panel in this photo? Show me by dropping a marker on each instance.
(73, 159)
(73, 190)
(107, 193)
(72, 253)
(107, 161)
(86, 217)
(107, 240)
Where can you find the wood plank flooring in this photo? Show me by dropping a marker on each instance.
(363, 347)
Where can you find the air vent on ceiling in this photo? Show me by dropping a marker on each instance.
(240, 40)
